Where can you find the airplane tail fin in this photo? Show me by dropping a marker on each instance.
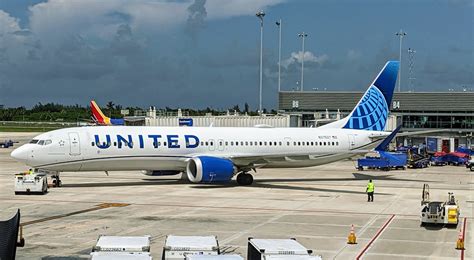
(98, 116)
(371, 112)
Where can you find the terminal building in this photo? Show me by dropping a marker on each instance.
(451, 114)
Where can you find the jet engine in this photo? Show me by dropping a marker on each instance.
(160, 173)
(207, 169)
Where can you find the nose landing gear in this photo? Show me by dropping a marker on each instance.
(56, 181)
(244, 179)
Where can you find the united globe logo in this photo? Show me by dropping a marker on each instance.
(371, 113)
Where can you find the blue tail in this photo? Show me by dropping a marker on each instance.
(372, 110)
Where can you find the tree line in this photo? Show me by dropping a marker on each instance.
(76, 113)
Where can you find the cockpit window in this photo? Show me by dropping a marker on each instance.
(34, 141)
(41, 142)
(46, 142)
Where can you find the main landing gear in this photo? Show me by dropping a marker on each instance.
(56, 180)
(244, 179)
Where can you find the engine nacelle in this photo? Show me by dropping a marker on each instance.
(160, 173)
(207, 169)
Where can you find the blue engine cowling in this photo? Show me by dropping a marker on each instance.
(207, 169)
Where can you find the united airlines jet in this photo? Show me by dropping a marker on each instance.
(212, 154)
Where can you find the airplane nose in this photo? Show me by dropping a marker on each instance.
(20, 154)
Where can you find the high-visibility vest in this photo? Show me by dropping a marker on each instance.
(370, 187)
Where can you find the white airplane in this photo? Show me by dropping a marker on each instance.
(211, 154)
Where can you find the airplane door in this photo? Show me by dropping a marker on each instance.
(212, 144)
(220, 145)
(74, 144)
(351, 141)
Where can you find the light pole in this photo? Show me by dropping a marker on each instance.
(411, 64)
(278, 23)
(400, 34)
(302, 35)
(260, 15)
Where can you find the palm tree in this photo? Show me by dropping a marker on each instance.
(110, 106)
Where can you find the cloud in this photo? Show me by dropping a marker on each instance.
(8, 24)
(353, 55)
(196, 19)
(219, 9)
(309, 59)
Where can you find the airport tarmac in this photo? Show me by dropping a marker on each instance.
(317, 206)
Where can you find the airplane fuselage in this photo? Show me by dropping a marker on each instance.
(168, 148)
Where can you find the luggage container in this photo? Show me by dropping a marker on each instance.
(214, 257)
(120, 256)
(384, 161)
(178, 247)
(128, 244)
(261, 249)
(34, 183)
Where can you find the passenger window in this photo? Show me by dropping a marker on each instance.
(324, 143)
(226, 143)
(260, 143)
(274, 143)
(307, 143)
(220, 143)
(164, 143)
(337, 143)
(333, 143)
(242, 143)
(312, 144)
(207, 143)
(232, 143)
(320, 143)
(265, 143)
(236, 143)
(115, 144)
(92, 143)
(212, 143)
(280, 143)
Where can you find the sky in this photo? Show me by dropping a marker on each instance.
(205, 53)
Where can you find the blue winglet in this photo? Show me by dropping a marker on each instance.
(383, 146)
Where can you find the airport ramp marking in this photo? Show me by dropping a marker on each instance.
(375, 237)
(97, 207)
(464, 237)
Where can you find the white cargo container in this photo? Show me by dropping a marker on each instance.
(178, 247)
(26, 183)
(120, 256)
(261, 249)
(129, 244)
(214, 257)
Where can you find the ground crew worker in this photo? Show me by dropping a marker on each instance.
(370, 191)
(30, 171)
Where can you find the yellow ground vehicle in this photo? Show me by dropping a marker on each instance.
(439, 212)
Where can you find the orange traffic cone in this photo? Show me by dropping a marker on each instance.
(460, 242)
(351, 239)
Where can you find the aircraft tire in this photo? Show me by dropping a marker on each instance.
(244, 179)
